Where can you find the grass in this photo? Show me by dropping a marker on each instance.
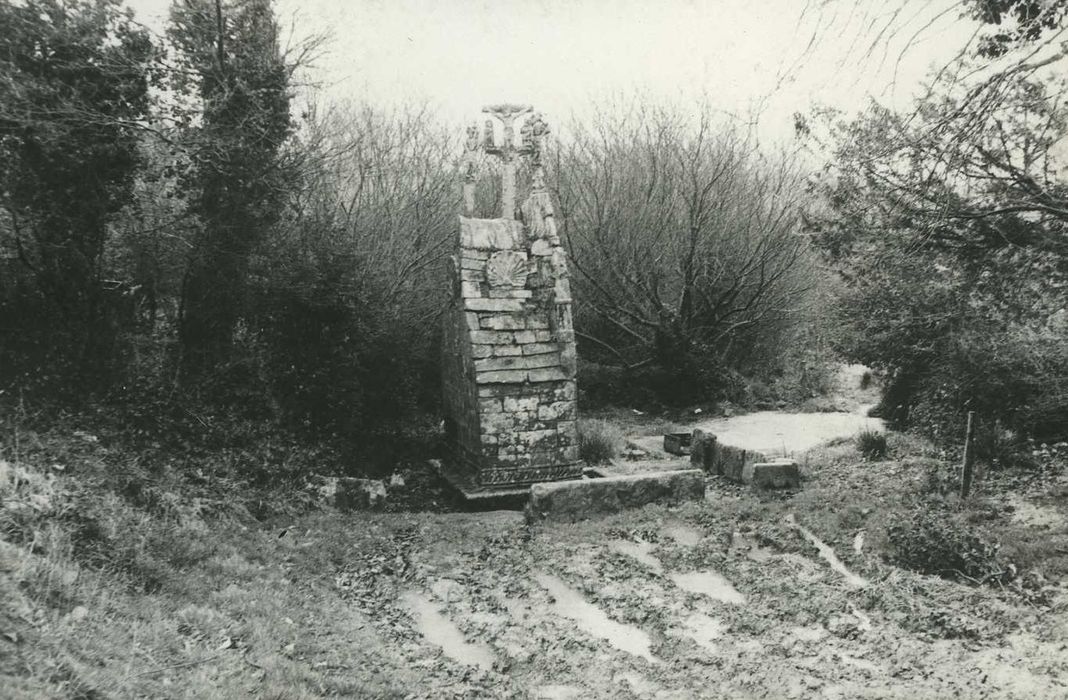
(872, 445)
(599, 441)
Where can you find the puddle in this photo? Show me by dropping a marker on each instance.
(751, 547)
(777, 433)
(704, 630)
(441, 632)
(710, 584)
(640, 551)
(571, 604)
(828, 554)
(684, 535)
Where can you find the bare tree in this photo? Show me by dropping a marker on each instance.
(351, 280)
(683, 238)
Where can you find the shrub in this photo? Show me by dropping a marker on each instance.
(933, 542)
(598, 441)
(872, 444)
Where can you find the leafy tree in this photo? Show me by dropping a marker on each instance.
(74, 87)
(230, 59)
(950, 224)
(1027, 21)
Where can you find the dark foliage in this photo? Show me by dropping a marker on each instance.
(233, 64)
(933, 541)
(76, 81)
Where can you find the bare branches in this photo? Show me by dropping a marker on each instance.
(676, 229)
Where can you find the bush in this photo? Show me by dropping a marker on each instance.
(934, 542)
(598, 441)
(871, 444)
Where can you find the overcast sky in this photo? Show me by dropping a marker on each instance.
(564, 55)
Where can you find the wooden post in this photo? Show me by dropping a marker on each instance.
(969, 457)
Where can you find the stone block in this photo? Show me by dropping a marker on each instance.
(524, 403)
(532, 438)
(707, 453)
(561, 410)
(703, 451)
(508, 376)
(548, 374)
(492, 337)
(570, 501)
(478, 351)
(488, 390)
(482, 304)
(472, 321)
(470, 289)
(779, 474)
(494, 423)
(540, 361)
(677, 443)
(540, 348)
(523, 337)
(498, 363)
(506, 350)
(491, 234)
(563, 336)
(731, 461)
(541, 247)
(503, 323)
(565, 392)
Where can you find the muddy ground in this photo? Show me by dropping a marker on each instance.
(742, 595)
(731, 597)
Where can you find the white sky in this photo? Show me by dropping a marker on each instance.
(562, 56)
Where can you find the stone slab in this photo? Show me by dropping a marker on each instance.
(780, 474)
(707, 453)
(570, 501)
(497, 305)
(491, 234)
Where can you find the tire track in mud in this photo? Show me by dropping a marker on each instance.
(801, 633)
(547, 622)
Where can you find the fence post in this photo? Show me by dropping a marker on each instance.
(969, 457)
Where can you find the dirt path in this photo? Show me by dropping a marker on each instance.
(677, 603)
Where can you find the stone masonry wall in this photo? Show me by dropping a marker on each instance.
(509, 370)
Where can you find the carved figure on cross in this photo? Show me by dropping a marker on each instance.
(507, 151)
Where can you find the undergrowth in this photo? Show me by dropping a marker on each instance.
(598, 441)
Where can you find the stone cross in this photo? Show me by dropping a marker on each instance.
(507, 150)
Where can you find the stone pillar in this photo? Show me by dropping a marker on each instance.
(509, 363)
